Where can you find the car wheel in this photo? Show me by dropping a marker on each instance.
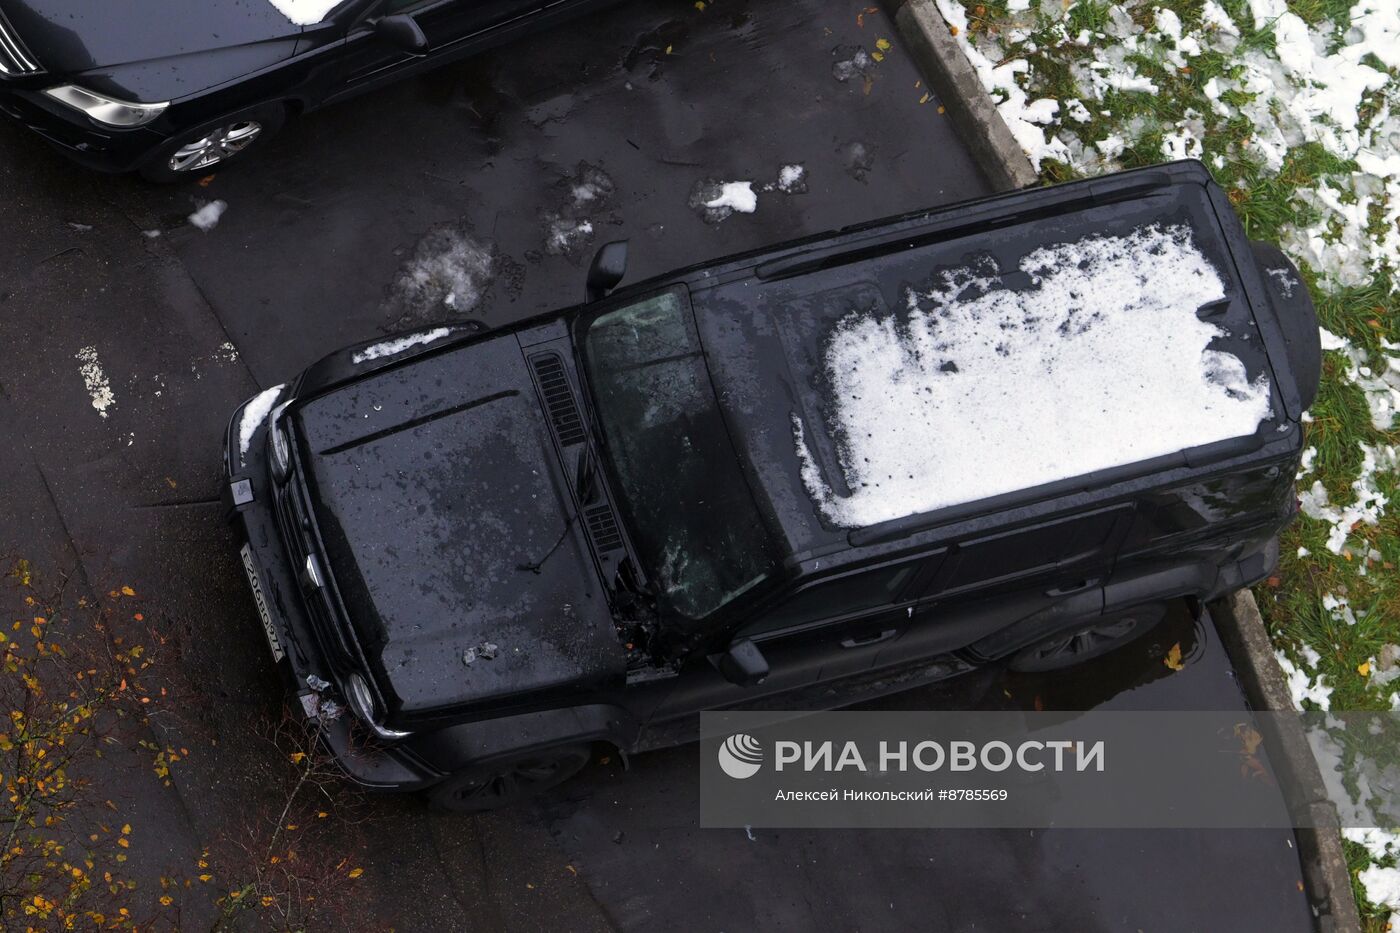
(213, 146)
(508, 781)
(1075, 646)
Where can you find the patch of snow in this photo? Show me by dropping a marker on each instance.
(254, 415)
(1303, 687)
(1382, 391)
(1266, 11)
(993, 390)
(717, 201)
(1213, 16)
(448, 264)
(1181, 143)
(98, 387)
(1305, 464)
(394, 347)
(207, 217)
(1111, 146)
(1382, 886)
(1369, 504)
(736, 196)
(565, 235)
(305, 12)
(1286, 280)
(792, 179)
(1000, 80)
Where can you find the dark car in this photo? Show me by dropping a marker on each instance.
(1012, 429)
(168, 88)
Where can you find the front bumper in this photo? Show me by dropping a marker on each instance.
(248, 503)
(73, 134)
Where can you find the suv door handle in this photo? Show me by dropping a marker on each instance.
(864, 641)
(1072, 587)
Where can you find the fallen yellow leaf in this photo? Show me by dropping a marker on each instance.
(1173, 658)
(356, 872)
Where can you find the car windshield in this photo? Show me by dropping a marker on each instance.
(689, 509)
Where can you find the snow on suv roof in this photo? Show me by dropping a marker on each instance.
(982, 389)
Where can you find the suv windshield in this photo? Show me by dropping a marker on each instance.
(689, 509)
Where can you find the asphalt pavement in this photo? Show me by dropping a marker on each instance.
(127, 336)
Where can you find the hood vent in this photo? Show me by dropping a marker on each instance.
(602, 527)
(15, 58)
(558, 398)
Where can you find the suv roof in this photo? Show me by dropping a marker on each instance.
(768, 327)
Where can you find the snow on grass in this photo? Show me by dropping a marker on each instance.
(1025, 117)
(985, 390)
(207, 217)
(1367, 508)
(1287, 84)
(1302, 685)
(98, 387)
(305, 12)
(394, 347)
(1382, 390)
(254, 414)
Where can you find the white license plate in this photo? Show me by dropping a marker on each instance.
(273, 641)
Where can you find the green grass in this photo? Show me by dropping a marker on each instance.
(1268, 203)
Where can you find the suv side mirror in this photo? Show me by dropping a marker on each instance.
(402, 32)
(607, 269)
(743, 664)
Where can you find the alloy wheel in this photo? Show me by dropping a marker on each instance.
(215, 147)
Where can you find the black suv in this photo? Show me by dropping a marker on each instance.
(173, 89)
(480, 555)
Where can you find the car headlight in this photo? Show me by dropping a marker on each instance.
(361, 700)
(279, 444)
(281, 453)
(106, 110)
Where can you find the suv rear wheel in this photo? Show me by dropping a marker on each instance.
(508, 781)
(1072, 647)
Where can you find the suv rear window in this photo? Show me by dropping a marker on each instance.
(688, 507)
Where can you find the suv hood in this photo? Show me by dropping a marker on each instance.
(73, 36)
(447, 529)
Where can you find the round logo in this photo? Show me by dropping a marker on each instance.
(740, 756)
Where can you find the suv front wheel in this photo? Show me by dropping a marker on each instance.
(507, 781)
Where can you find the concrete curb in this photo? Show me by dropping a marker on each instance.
(953, 80)
(1325, 871)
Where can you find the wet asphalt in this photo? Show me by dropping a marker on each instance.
(480, 191)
